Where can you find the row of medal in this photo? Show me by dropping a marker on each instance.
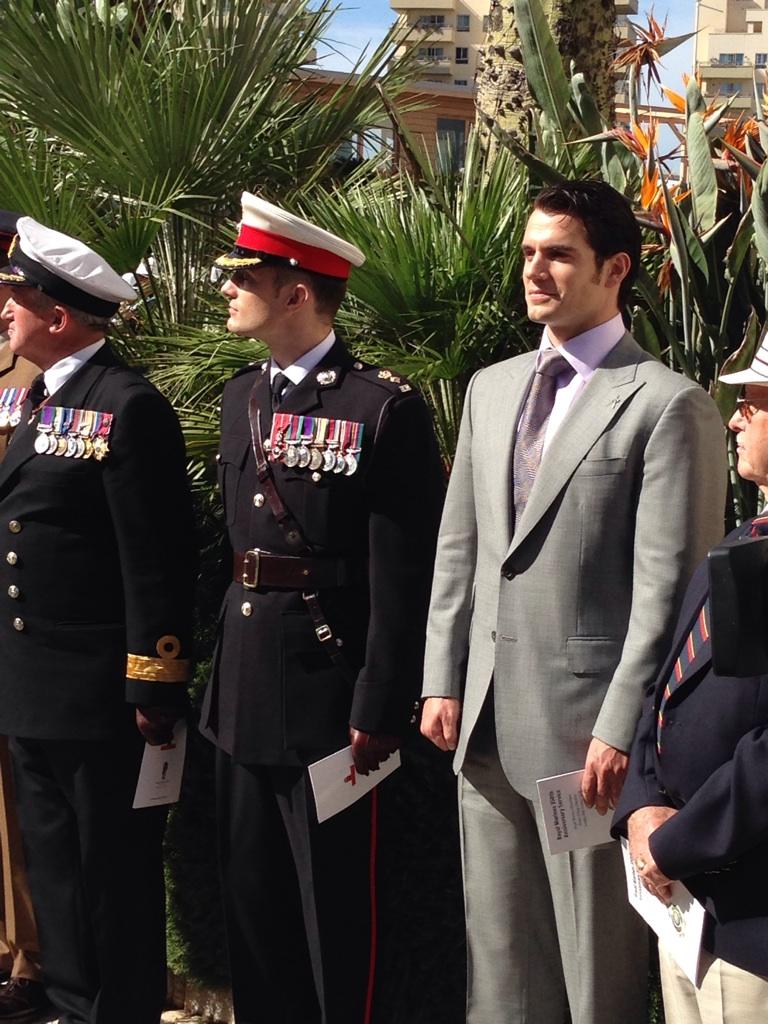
(73, 433)
(11, 401)
(309, 442)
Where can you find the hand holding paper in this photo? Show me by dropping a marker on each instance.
(336, 782)
(640, 825)
(161, 771)
(570, 824)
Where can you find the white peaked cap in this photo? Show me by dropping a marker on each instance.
(757, 373)
(268, 234)
(64, 268)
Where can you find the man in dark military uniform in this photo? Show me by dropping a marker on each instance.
(23, 998)
(96, 578)
(332, 488)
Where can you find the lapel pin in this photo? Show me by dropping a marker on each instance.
(326, 377)
(616, 402)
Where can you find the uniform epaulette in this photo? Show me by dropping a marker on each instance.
(258, 364)
(384, 378)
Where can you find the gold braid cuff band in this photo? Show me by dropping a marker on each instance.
(168, 668)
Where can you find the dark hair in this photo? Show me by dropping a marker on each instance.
(607, 218)
(328, 291)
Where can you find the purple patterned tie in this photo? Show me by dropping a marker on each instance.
(533, 424)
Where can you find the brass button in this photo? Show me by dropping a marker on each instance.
(246, 608)
(11, 558)
(258, 500)
(493, 635)
(13, 591)
(18, 625)
(218, 456)
(14, 526)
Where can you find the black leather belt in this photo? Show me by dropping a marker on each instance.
(257, 568)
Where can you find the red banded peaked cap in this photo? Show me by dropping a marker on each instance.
(756, 373)
(267, 231)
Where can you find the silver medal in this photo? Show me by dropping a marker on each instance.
(41, 444)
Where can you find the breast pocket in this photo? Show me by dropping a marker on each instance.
(601, 467)
(232, 456)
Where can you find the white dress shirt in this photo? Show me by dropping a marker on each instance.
(297, 371)
(56, 376)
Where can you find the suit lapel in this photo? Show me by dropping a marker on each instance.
(611, 385)
(73, 394)
(499, 425)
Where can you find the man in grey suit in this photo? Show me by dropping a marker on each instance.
(589, 479)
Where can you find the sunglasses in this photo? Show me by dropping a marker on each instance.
(747, 408)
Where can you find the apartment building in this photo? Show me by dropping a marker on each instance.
(732, 49)
(452, 32)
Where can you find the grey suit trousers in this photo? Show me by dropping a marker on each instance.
(543, 932)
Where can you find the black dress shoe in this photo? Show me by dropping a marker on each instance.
(22, 1000)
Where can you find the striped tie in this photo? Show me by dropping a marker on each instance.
(696, 639)
(698, 636)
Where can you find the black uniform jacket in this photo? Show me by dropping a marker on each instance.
(275, 696)
(97, 562)
(714, 769)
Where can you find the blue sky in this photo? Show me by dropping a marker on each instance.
(361, 23)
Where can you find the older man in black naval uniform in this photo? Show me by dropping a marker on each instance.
(332, 503)
(96, 577)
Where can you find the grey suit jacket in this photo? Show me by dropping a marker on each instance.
(571, 614)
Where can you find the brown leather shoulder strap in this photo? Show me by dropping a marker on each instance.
(284, 517)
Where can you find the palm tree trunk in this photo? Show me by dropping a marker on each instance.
(584, 31)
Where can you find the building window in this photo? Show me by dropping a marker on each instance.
(451, 142)
(755, 26)
(462, 55)
(486, 23)
(431, 21)
(736, 59)
(460, 81)
(462, 23)
(761, 60)
(431, 53)
(730, 88)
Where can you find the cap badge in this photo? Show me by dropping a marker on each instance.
(326, 377)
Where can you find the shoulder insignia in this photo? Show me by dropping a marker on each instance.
(383, 378)
(257, 367)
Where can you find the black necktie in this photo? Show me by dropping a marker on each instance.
(38, 392)
(281, 386)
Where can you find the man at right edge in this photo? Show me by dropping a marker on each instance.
(588, 481)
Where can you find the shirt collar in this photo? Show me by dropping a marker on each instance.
(56, 376)
(585, 352)
(297, 371)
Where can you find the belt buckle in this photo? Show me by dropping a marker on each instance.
(251, 564)
(323, 633)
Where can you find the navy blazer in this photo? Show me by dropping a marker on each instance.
(714, 770)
